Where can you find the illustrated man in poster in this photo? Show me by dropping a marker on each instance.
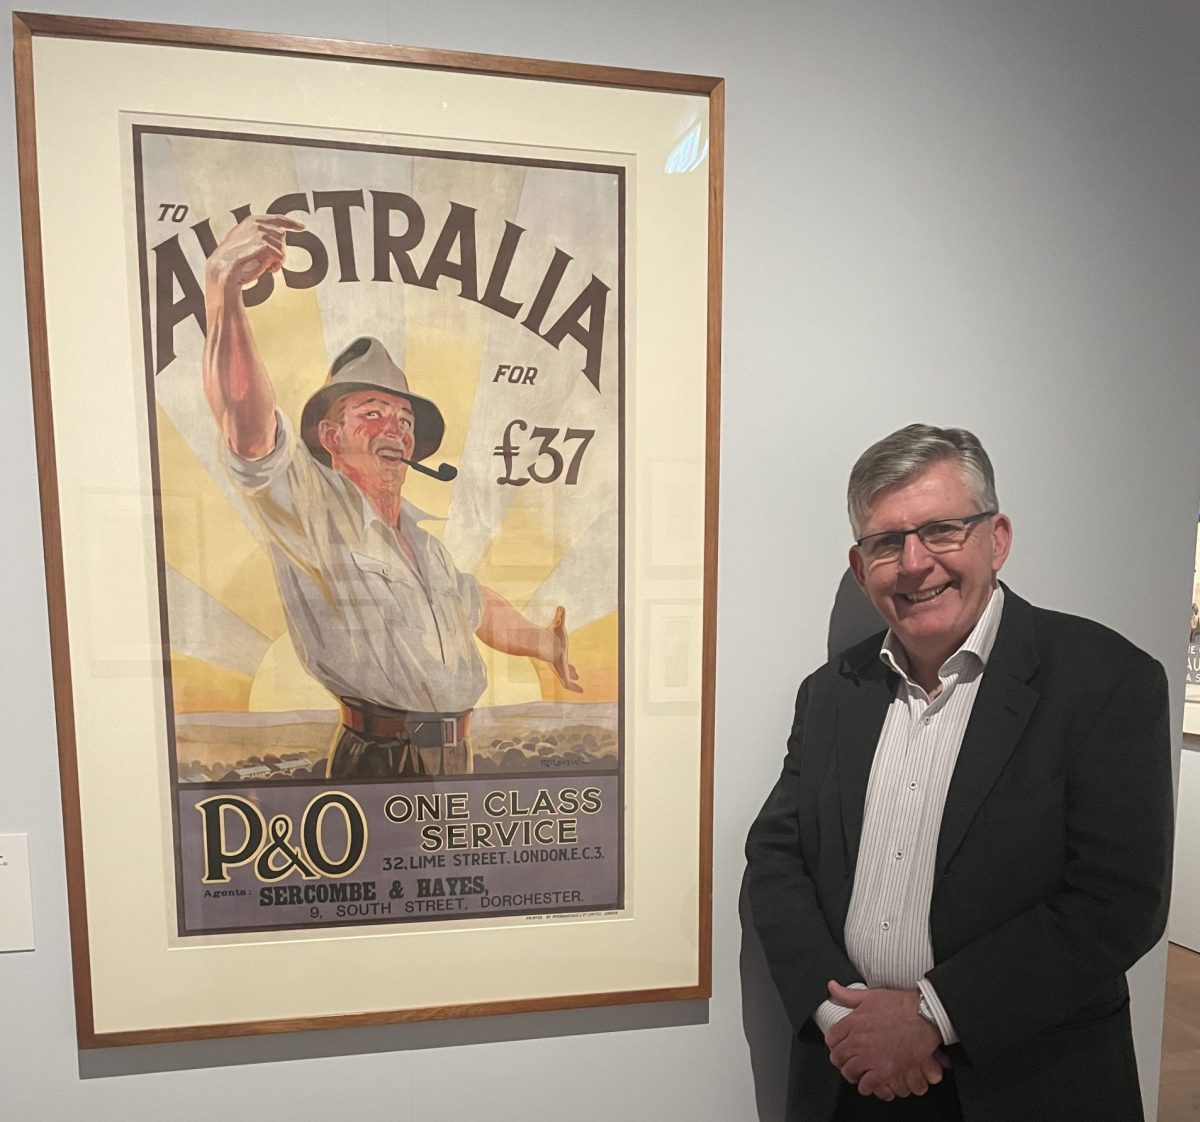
(970, 841)
(378, 612)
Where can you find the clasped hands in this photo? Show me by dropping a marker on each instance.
(884, 1045)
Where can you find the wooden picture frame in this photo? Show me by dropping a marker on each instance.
(538, 246)
(1191, 688)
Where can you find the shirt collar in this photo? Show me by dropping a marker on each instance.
(408, 511)
(977, 645)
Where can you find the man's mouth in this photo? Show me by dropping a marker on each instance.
(924, 594)
(392, 453)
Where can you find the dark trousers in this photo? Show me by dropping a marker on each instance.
(362, 756)
(355, 756)
(938, 1104)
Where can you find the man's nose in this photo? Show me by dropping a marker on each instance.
(391, 424)
(914, 555)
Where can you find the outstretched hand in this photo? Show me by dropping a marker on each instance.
(253, 247)
(559, 663)
(885, 1046)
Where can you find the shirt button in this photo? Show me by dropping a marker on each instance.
(927, 720)
(899, 854)
(885, 926)
(913, 785)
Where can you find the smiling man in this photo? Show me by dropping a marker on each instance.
(377, 611)
(969, 844)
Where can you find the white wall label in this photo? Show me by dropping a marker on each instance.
(16, 897)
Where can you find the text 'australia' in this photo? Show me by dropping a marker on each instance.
(398, 228)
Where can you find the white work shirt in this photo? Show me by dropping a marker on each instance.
(365, 623)
(887, 925)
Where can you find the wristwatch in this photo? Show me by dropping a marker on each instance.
(925, 1010)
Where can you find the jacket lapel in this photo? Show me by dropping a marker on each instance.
(1002, 710)
(860, 716)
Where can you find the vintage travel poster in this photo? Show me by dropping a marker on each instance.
(384, 381)
(1191, 694)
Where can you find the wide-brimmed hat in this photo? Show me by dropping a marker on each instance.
(366, 365)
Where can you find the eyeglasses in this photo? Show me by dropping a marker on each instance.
(943, 536)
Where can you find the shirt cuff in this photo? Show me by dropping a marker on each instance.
(251, 474)
(940, 1016)
(830, 1012)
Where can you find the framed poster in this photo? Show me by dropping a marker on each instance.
(1191, 691)
(376, 394)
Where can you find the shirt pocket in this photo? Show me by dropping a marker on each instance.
(394, 572)
(387, 593)
(448, 602)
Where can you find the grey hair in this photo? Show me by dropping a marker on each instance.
(909, 451)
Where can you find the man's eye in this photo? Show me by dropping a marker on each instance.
(940, 529)
(889, 543)
(371, 414)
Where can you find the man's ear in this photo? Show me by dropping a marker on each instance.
(329, 433)
(857, 567)
(1001, 541)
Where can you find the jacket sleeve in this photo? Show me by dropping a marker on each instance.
(785, 903)
(1042, 968)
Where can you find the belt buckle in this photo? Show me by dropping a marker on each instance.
(449, 731)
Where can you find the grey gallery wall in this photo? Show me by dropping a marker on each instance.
(979, 213)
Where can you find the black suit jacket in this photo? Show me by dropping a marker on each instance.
(1051, 875)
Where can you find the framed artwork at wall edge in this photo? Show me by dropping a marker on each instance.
(376, 393)
(1191, 690)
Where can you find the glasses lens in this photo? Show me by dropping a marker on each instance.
(942, 535)
(883, 547)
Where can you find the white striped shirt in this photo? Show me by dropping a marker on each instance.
(887, 926)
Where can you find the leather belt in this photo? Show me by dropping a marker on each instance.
(424, 730)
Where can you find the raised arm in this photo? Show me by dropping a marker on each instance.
(236, 382)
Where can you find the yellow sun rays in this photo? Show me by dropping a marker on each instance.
(205, 539)
(201, 687)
